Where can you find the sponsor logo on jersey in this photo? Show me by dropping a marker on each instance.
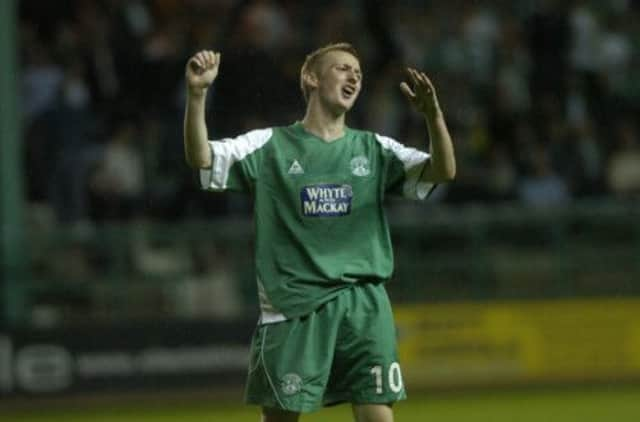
(326, 200)
(360, 166)
(296, 168)
(291, 384)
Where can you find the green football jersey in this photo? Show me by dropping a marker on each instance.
(318, 209)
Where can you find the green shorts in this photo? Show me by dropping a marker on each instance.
(345, 351)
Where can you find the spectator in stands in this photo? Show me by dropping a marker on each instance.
(623, 171)
(118, 181)
(542, 187)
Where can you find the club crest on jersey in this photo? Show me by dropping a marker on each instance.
(326, 200)
(360, 166)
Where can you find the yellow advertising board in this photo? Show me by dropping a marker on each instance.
(480, 343)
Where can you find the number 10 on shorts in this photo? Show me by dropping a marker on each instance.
(394, 378)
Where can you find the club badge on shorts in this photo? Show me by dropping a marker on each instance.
(291, 384)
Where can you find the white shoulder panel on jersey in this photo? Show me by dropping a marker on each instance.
(228, 151)
(412, 159)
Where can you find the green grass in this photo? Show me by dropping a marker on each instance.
(601, 405)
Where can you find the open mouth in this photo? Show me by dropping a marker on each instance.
(348, 91)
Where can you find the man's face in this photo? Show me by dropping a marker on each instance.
(339, 80)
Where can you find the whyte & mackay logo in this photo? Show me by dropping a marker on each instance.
(326, 200)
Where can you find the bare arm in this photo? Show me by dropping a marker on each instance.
(442, 166)
(200, 72)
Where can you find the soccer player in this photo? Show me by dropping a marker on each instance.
(326, 333)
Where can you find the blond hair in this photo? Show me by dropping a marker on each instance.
(313, 60)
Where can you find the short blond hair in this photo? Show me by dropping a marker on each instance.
(313, 60)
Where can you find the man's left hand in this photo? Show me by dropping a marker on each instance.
(422, 95)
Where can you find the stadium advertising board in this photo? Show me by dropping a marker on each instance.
(463, 344)
(124, 357)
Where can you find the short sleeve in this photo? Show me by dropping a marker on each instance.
(405, 166)
(235, 162)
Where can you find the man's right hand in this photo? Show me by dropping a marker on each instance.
(201, 71)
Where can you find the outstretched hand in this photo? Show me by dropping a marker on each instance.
(202, 70)
(422, 94)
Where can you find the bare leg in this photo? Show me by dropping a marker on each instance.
(277, 415)
(372, 413)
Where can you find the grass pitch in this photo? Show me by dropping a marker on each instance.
(586, 405)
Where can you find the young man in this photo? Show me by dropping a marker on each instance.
(326, 333)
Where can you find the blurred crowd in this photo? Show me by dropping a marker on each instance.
(540, 96)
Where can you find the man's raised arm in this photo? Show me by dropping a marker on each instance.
(201, 70)
(442, 166)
